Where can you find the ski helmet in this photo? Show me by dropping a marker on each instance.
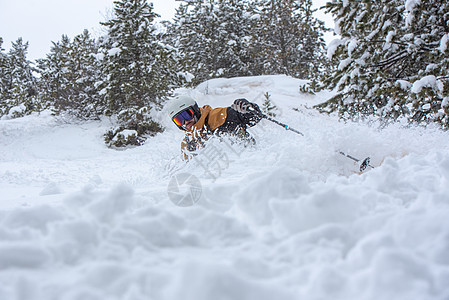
(180, 104)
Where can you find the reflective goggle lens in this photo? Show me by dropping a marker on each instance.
(185, 115)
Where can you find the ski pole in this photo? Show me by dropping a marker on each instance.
(281, 124)
(363, 165)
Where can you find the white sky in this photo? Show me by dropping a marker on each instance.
(42, 21)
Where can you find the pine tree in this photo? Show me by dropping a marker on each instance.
(139, 68)
(85, 101)
(312, 58)
(427, 34)
(267, 107)
(286, 38)
(69, 76)
(195, 36)
(234, 35)
(392, 60)
(56, 77)
(212, 38)
(19, 90)
(5, 83)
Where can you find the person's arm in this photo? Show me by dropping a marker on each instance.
(241, 114)
(248, 112)
(186, 147)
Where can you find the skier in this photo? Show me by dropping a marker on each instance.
(200, 123)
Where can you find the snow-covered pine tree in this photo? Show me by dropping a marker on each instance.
(235, 34)
(56, 76)
(135, 62)
(139, 69)
(312, 48)
(85, 100)
(287, 38)
(392, 59)
(193, 34)
(19, 90)
(4, 76)
(69, 75)
(212, 38)
(427, 36)
(368, 56)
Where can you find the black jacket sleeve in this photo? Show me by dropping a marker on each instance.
(236, 121)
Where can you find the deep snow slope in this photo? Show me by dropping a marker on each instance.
(287, 218)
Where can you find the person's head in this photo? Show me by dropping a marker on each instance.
(184, 112)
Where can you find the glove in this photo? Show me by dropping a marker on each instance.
(244, 106)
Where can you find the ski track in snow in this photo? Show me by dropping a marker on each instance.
(288, 218)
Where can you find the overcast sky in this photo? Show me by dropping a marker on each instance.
(42, 21)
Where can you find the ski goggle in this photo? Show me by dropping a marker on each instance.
(185, 115)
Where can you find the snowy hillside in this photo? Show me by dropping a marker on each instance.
(288, 218)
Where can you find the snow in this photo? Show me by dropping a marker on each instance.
(352, 46)
(15, 111)
(445, 102)
(126, 133)
(391, 34)
(411, 4)
(333, 46)
(443, 43)
(431, 67)
(344, 63)
(429, 81)
(403, 84)
(287, 218)
(114, 51)
(387, 24)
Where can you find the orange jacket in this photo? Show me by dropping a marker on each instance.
(215, 121)
(194, 139)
